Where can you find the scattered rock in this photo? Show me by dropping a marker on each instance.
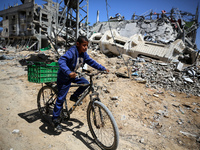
(179, 121)
(114, 98)
(140, 80)
(156, 95)
(179, 66)
(195, 110)
(188, 79)
(180, 142)
(176, 104)
(198, 139)
(106, 90)
(188, 134)
(123, 117)
(181, 110)
(172, 95)
(187, 105)
(15, 131)
(141, 140)
(122, 75)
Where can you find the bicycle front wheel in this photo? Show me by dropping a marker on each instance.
(45, 101)
(102, 125)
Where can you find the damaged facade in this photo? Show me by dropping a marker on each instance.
(27, 25)
(164, 36)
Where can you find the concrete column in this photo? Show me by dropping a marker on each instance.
(77, 20)
(87, 17)
(97, 16)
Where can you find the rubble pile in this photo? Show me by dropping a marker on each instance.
(163, 36)
(170, 76)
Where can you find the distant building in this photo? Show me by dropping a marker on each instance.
(28, 23)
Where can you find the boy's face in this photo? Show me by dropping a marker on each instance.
(82, 47)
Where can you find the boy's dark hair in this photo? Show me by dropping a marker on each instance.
(81, 39)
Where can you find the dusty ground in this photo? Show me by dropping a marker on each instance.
(166, 120)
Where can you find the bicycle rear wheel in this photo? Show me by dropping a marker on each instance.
(45, 101)
(102, 126)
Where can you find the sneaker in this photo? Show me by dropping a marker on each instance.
(57, 126)
(74, 98)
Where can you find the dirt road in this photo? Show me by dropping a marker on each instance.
(147, 118)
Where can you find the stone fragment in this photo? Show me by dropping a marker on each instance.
(179, 66)
(160, 112)
(180, 142)
(106, 90)
(123, 117)
(158, 126)
(15, 131)
(188, 79)
(198, 139)
(188, 134)
(141, 140)
(163, 64)
(135, 73)
(172, 79)
(172, 95)
(181, 110)
(114, 98)
(160, 92)
(155, 95)
(195, 110)
(187, 105)
(191, 72)
(176, 104)
(179, 121)
(140, 80)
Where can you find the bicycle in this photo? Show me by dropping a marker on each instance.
(101, 122)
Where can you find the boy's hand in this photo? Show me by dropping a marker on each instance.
(72, 75)
(107, 70)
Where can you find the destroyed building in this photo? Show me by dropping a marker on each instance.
(163, 36)
(28, 24)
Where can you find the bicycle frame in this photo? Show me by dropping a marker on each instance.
(85, 93)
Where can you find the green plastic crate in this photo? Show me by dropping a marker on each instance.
(40, 72)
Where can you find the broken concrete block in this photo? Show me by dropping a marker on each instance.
(179, 66)
(188, 79)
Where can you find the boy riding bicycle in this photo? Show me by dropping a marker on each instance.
(69, 63)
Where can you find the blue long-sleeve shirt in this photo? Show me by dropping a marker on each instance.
(68, 61)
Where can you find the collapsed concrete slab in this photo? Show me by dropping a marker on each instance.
(116, 45)
(164, 36)
(136, 46)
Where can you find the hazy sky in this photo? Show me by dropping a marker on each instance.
(127, 8)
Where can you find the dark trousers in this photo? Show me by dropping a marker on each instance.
(63, 88)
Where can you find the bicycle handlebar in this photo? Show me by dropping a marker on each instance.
(92, 74)
(88, 74)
